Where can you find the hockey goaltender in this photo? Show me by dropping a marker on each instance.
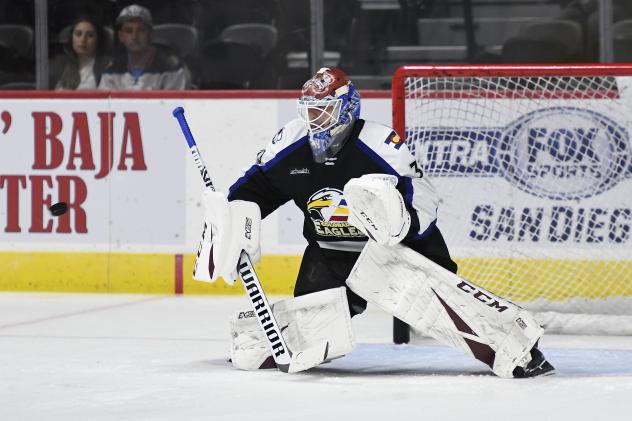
(370, 223)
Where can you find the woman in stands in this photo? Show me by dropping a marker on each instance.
(84, 59)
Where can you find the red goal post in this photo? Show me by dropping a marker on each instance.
(534, 165)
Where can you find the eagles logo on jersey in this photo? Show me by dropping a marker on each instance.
(329, 213)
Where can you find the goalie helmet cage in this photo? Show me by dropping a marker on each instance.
(533, 164)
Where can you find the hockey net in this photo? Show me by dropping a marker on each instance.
(533, 164)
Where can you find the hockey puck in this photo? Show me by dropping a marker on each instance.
(58, 209)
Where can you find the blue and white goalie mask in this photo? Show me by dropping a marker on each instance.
(329, 105)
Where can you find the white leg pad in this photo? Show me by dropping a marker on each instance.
(248, 348)
(312, 320)
(446, 307)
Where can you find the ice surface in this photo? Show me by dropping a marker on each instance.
(125, 357)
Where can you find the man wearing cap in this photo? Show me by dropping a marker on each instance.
(142, 66)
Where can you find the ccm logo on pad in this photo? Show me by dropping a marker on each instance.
(481, 296)
(367, 219)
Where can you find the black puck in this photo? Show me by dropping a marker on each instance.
(58, 209)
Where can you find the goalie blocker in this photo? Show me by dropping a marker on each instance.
(229, 229)
(450, 309)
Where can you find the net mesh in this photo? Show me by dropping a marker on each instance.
(533, 172)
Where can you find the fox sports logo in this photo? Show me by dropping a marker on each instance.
(564, 153)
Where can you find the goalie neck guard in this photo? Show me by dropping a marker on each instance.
(329, 105)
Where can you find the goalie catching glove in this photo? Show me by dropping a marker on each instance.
(229, 228)
(377, 208)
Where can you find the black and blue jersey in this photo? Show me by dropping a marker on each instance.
(285, 170)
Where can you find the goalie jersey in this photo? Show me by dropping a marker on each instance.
(285, 170)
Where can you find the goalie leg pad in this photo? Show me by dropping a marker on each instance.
(249, 348)
(446, 307)
(306, 322)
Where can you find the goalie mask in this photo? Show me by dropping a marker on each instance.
(329, 105)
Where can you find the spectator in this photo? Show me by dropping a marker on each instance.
(84, 59)
(141, 66)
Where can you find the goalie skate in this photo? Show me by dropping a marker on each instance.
(538, 366)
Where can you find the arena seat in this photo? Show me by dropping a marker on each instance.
(545, 41)
(182, 38)
(489, 31)
(229, 65)
(523, 50)
(19, 37)
(566, 32)
(17, 86)
(16, 56)
(622, 40)
(263, 36)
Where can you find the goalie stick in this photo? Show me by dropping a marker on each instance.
(285, 360)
